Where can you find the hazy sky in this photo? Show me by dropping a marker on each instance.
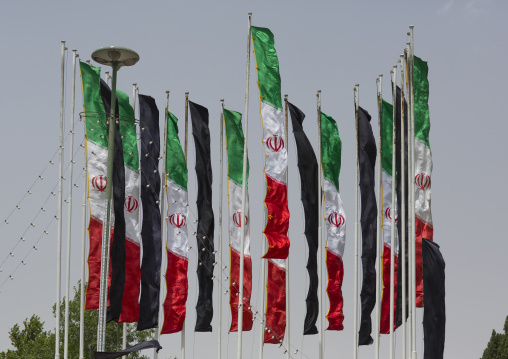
(199, 46)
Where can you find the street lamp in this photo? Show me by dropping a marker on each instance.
(115, 57)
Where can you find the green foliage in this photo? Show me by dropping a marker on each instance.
(497, 348)
(32, 342)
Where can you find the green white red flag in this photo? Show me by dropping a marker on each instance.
(274, 140)
(423, 169)
(177, 242)
(234, 149)
(335, 217)
(389, 210)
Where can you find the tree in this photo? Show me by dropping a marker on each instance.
(497, 348)
(31, 341)
(34, 343)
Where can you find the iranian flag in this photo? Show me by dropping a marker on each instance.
(389, 210)
(177, 245)
(335, 217)
(276, 160)
(234, 148)
(96, 159)
(130, 299)
(423, 169)
(274, 140)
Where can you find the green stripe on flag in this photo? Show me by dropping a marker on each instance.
(128, 131)
(268, 66)
(93, 106)
(331, 147)
(234, 146)
(421, 91)
(387, 137)
(176, 165)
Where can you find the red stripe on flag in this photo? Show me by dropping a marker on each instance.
(277, 223)
(422, 230)
(385, 299)
(176, 297)
(130, 300)
(335, 269)
(94, 265)
(275, 304)
(234, 290)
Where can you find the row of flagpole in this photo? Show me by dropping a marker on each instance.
(411, 277)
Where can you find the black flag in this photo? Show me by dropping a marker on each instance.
(308, 167)
(398, 183)
(117, 252)
(434, 312)
(367, 161)
(206, 256)
(151, 229)
(140, 346)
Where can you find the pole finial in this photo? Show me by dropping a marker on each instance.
(411, 27)
(167, 92)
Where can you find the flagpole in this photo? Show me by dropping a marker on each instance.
(379, 84)
(403, 205)
(413, 238)
(124, 328)
(393, 213)
(115, 57)
(163, 221)
(264, 262)
(355, 294)
(219, 292)
(69, 213)
(320, 215)
(83, 249)
(410, 222)
(244, 187)
(182, 336)
(60, 185)
(288, 354)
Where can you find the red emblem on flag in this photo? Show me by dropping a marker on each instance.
(131, 204)
(99, 183)
(388, 214)
(336, 219)
(422, 180)
(237, 219)
(275, 143)
(178, 220)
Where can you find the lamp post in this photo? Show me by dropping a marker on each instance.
(116, 57)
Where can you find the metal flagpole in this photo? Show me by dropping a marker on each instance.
(379, 84)
(264, 263)
(115, 57)
(410, 222)
(287, 259)
(134, 88)
(60, 184)
(244, 187)
(393, 213)
(69, 213)
(219, 292)
(182, 337)
(355, 294)
(320, 246)
(412, 134)
(83, 249)
(403, 204)
(163, 221)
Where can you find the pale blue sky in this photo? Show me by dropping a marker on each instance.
(199, 46)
